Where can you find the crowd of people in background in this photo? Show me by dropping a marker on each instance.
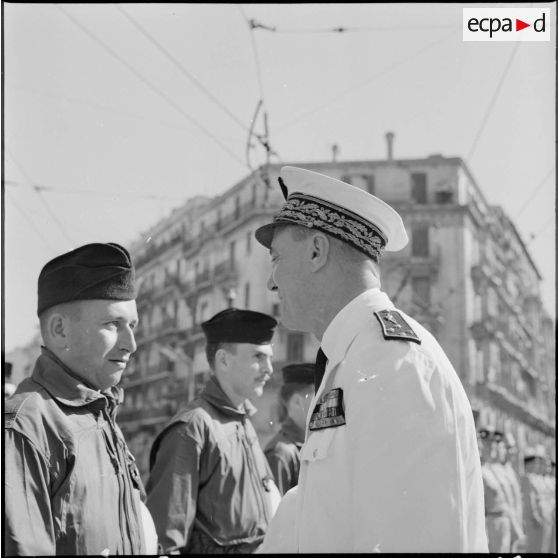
(519, 498)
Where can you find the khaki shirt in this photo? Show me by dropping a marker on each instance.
(210, 484)
(71, 485)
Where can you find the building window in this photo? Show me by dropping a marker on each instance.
(421, 292)
(232, 248)
(248, 242)
(247, 295)
(346, 178)
(254, 194)
(418, 187)
(420, 241)
(218, 222)
(236, 207)
(295, 345)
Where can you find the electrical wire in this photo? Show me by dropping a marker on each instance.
(129, 195)
(341, 29)
(535, 192)
(146, 82)
(31, 224)
(493, 101)
(534, 236)
(43, 201)
(367, 81)
(181, 68)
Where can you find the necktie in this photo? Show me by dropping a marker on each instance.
(319, 370)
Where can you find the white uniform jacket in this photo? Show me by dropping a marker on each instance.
(403, 473)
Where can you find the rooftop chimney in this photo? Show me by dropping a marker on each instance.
(389, 139)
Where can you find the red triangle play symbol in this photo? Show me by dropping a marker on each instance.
(519, 25)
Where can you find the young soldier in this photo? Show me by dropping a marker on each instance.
(210, 489)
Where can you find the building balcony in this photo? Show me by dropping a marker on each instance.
(529, 412)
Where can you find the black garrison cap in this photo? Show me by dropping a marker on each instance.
(239, 326)
(302, 373)
(93, 271)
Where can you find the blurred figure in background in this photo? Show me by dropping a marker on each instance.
(505, 475)
(533, 515)
(546, 497)
(497, 508)
(211, 490)
(283, 450)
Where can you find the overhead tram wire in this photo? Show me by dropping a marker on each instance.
(493, 101)
(263, 139)
(181, 68)
(31, 224)
(146, 82)
(369, 80)
(341, 29)
(43, 201)
(535, 192)
(129, 195)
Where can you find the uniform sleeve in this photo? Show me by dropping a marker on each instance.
(172, 489)
(282, 536)
(29, 528)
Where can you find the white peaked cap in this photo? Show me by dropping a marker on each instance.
(340, 209)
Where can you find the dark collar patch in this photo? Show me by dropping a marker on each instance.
(395, 327)
(329, 411)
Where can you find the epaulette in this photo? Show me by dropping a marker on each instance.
(395, 327)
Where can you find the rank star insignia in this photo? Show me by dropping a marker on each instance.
(394, 326)
(329, 411)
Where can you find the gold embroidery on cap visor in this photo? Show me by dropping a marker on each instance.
(311, 212)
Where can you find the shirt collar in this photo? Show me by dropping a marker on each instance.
(349, 321)
(215, 396)
(65, 386)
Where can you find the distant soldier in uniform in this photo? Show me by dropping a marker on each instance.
(546, 497)
(505, 475)
(210, 489)
(497, 507)
(71, 484)
(533, 518)
(283, 450)
(390, 461)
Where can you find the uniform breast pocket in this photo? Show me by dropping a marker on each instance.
(317, 446)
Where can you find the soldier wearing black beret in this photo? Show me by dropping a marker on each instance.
(71, 485)
(211, 490)
(283, 450)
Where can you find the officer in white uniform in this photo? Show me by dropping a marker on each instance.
(390, 461)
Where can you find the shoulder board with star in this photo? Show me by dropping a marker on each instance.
(394, 326)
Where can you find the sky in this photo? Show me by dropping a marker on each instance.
(114, 114)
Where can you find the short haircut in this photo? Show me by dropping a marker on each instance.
(212, 348)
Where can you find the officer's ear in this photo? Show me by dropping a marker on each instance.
(320, 247)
